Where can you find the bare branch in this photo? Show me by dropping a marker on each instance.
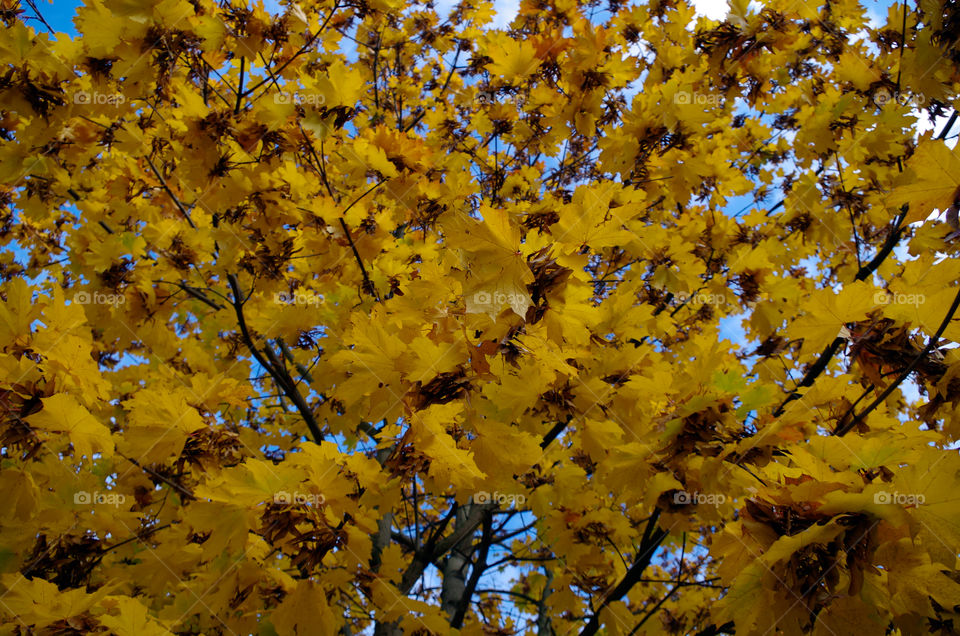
(276, 371)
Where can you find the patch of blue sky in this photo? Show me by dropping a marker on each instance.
(61, 15)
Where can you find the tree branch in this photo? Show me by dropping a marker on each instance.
(844, 428)
(554, 432)
(367, 283)
(176, 201)
(33, 6)
(653, 536)
(276, 371)
(831, 350)
(486, 538)
(544, 628)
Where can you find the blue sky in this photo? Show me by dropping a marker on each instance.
(60, 14)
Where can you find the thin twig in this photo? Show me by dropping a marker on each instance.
(176, 201)
(653, 536)
(367, 283)
(236, 108)
(278, 373)
(844, 429)
(40, 17)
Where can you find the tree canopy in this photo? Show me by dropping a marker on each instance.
(372, 316)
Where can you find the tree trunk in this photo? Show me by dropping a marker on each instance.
(455, 567)
(544, 627)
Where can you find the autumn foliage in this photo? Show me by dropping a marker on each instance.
(363, 316)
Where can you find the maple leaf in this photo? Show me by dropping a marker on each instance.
(496, 273)
(403, 319)
(930, 181)
(62, 413)
(513, 59)
(132, 618)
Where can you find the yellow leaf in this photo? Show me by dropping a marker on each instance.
(827, 311)
(133, 618)
(513, 60)
(38, 602)
(930, 182)
(170, 409)
(20, 494)
(63, 414)
(449, 464)
(17, 312)
(305, 611)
